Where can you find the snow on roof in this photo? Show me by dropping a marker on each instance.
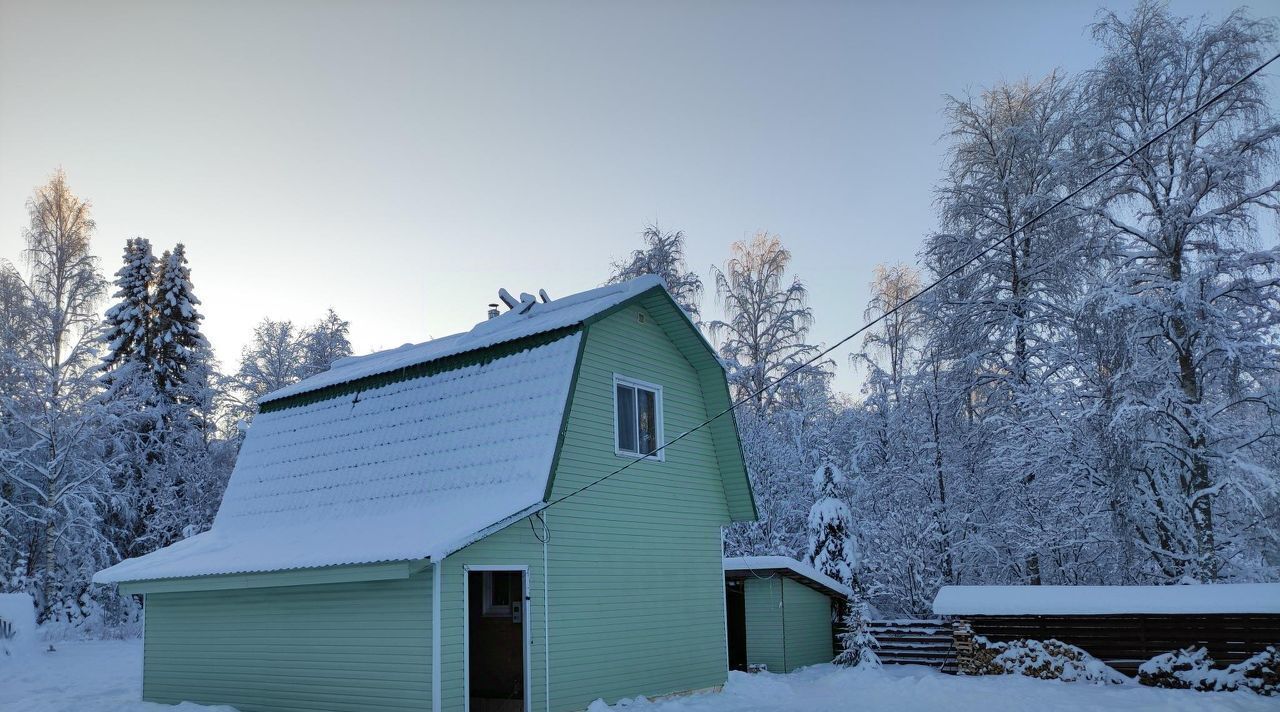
(1105, 600)
(760, 564)
(541, 317)
(408, 470)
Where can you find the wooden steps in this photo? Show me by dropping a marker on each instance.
(915, 642)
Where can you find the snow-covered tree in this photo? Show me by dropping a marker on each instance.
(1195, 290)
(765, 330)
(663, 256)
(129, 322)
(179, 352)
(857, 643)
(323, 343)
(833, 550)
(51, 472)
(281, 354)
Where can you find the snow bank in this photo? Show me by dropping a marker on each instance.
(761, 564)
(911, 688)
(18, 634)
(1107, 600)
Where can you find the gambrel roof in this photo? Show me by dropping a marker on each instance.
(407, 454)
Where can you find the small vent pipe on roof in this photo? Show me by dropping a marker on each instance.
(493, 310)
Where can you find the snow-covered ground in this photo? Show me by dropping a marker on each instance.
(909, 688)
(98, 676)
(105, 677)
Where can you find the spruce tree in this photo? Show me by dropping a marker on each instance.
(832, 549)
(129, 321)
(181, 484)
(179, 350)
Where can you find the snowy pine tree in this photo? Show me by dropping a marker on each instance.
(129, 322)
(832, 547)
(179, 351)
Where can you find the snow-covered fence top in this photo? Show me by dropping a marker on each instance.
(1204, 599)
(766, 564)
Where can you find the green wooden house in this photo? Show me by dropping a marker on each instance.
(410, 530)
(781, 613)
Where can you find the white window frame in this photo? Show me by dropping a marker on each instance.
(619, 379)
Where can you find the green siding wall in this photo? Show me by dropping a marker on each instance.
(765, 626)
(637, 587)
(807, 616)
(514, 546)
(345, 646)
(788, 624)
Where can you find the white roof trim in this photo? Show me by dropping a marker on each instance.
(761, 564)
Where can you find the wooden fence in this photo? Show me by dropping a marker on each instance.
(915, 642)
(1126, 641)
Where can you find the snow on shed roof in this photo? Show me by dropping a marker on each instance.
(509, 326)
(408, 470)
(761, 564)
(1107, 600)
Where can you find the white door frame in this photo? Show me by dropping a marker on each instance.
(466, 627)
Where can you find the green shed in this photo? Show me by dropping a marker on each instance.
(444, 526)
(781, 613)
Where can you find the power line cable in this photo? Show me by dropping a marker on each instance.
(950, 273)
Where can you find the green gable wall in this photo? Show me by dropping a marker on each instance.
(346, 646)
(788, 624)
(635, 573)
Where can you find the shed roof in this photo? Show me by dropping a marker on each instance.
(1202, 599)
(804, 573)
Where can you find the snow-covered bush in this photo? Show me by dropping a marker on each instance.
(857, 644)
(1192, 669)
(1047, 660)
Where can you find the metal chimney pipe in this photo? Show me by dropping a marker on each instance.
(493, 310)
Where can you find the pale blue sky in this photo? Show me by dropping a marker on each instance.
(400, 161)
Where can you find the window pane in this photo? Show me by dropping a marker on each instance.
(648, 421)
(626, 418)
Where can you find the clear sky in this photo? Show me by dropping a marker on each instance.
(400, 161)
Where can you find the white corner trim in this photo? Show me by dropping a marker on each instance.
(546, 618)
(437, 571)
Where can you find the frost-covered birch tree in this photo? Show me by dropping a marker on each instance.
(50, 463)
(1195, 285)
(765, 329)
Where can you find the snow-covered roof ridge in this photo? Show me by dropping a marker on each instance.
(512, 325)
(1108, 600)
(779, 563)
